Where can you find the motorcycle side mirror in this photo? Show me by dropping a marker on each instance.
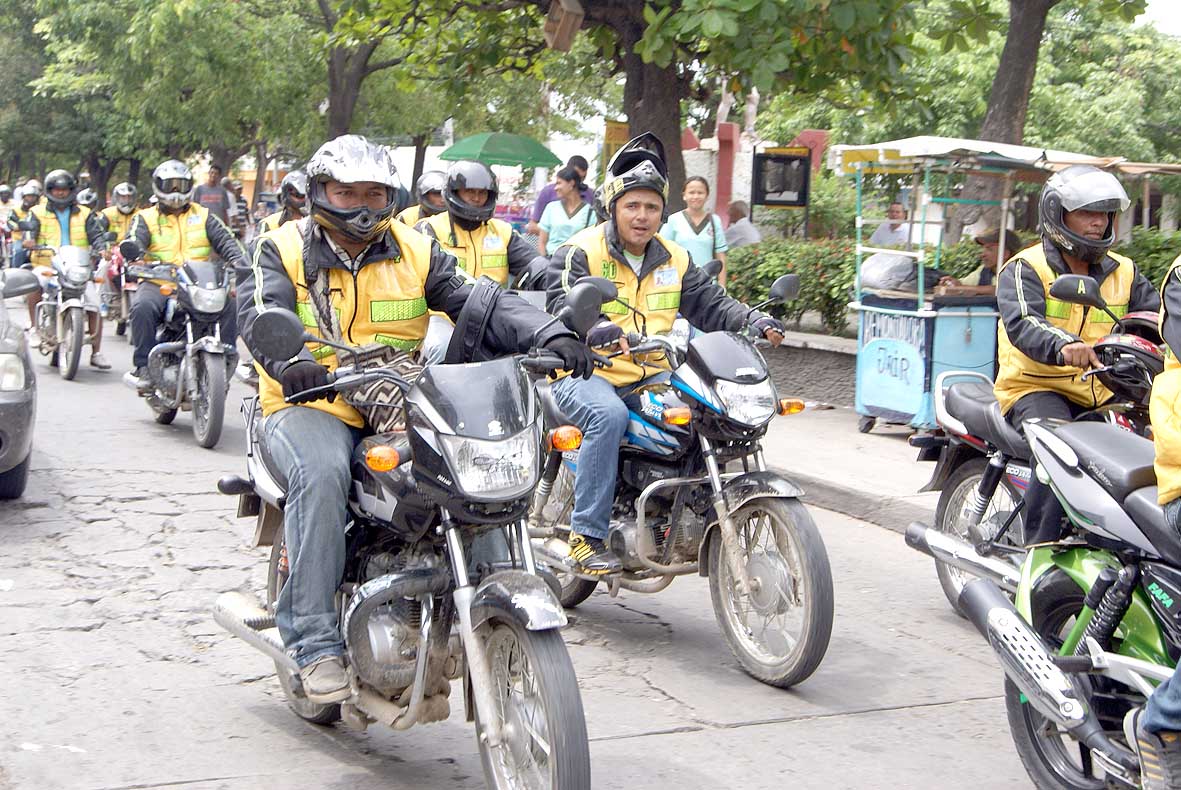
(785, 289)
(1078, 289)
(278, 333)
(712, 268)
(584, 304)
(604, 286)
(131, 250)
(19, 282)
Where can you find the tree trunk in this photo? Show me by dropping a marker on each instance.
(99, 175)
(262, 161)
(346, 70)
(421, 141)
(1008, 103)
(652, 101)
(133, 168)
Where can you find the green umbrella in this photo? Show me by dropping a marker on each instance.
(502, 148)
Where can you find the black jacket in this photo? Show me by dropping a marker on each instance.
(1021, 300)
(513, 325)
(703, 302)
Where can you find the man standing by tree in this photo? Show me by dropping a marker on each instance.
(213, 196)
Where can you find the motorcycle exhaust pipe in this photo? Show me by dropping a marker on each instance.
(960, 554)
(1031, 666)
(243, 618)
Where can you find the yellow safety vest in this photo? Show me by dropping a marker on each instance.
(23, 213)
(1164, 410)
(482, 252)
(177, 238)
(657, 296)
(118, 221)
(271, 221)
(50, 234)
(1018, 375)
(410, 216)
(386, 304)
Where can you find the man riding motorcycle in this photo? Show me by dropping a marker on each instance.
(1044, 345)
(350, 271)
(174, 230)
(31, 194)
(61, 221)
(88, 198)
(119, 214)
(481, 245)
(293, 197)
(430, 198)
(656, 278)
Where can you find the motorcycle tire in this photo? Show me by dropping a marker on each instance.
(960, 484)
(166, 417)
(792, 525)
(303, 707)
(553, 693)
(121, 328)
(209, 410)
(73, 330)
(1056, 762)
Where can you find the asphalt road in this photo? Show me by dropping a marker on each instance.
(114, 675)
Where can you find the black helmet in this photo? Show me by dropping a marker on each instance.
(88, 197)
(172, 185)
(470, 175)
(5, 193)
(124, 196)
(293, 192)
(350, 159)
(600, 210)
(640, 164)
(61, 179)
(430, 181)
(1080, 187)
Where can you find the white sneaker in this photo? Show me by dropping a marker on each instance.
(97, 360)
(325, 681)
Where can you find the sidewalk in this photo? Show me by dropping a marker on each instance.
(873, 477)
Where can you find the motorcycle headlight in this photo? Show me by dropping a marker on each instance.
(12, 373)
(749, 404)
(208, 300)
(494, 469)
(77, 275)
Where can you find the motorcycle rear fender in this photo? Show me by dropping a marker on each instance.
(1140, 634)
(520, 596)
(737, 491)
(75, 302)
(952, 457)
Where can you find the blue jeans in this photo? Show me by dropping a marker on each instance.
(596, 408)
(1163, 711)
(20, 256)
(313, 450)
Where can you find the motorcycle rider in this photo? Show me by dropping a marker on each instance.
(7, 206)
(430, 198)
(119, 214)
(655, 277)
(1044, 345)
(59, 222)
(174, 230)
(88, 198)
(482, 246)
(382, 278)
(293, 202)
(31, 194)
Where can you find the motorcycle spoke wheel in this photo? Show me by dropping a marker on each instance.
(210, 399)
(71, 343)
(544, 743)
(779, 629)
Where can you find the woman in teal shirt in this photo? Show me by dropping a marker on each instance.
(697, 230)
(565, 216)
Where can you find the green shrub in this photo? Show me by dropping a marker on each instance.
(1152, 251)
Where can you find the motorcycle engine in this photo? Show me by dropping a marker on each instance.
(382, 641)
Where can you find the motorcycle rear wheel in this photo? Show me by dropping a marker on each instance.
(299, 704)
(73, 330)
(537, 698)
(785, 554)
(209, 409)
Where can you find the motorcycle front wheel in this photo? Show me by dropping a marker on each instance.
(73, 330)
(209, 406)
(778, 631)
(536, 694)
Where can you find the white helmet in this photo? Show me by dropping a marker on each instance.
(172, 184)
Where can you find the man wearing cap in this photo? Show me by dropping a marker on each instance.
(990, 242)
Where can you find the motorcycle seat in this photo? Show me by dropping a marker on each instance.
(1118, 460)
(1150, 517)
(975, 405)
(554, 416)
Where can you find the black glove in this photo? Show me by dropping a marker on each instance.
(603, 333)
(767, 324)
(304, 375)
(576, 356)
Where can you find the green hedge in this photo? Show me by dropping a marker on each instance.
(826, 269)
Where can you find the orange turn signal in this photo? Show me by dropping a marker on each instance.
(382, 458)
(677, 415)
(790, 406)
(564, 438)
(166, 289)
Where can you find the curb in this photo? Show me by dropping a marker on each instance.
(889, 512)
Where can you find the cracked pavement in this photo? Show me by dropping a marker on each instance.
(116, 677)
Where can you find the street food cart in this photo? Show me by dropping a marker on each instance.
(907, 337)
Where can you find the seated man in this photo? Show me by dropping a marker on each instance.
(653, 276)
(990, 242)
(430, 198)
(1044, 345)
(895, 232)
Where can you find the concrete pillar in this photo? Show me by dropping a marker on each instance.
(1168, 213)
(728, 144)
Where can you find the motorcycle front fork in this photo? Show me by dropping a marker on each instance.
(726, 526)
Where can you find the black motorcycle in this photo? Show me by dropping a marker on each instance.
(440, 581)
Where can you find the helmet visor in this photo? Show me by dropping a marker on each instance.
(174, 184)
(1095, 190)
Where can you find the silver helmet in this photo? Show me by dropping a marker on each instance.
(124, 196)
(1075, 188)
(352, 159)
(172, 184)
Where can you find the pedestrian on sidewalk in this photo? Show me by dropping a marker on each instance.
(696, 229)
